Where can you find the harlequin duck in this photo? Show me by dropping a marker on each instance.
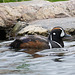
(54, 40)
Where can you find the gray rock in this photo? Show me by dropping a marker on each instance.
(19, 25)
(31, 10)
(70, 31)
(68, 24)
(11, 13)
(33, 29)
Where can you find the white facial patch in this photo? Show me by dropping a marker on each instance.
(54, 33)
(62, 33)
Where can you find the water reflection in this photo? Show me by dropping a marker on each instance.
(58, 60)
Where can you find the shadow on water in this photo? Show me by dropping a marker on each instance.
(32, 52)
(35, 53)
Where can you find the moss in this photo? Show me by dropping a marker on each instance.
(56, 0)
(2, 1)
(23, 66)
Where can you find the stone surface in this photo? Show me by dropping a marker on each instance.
(33, 29)
(19, 25)
(31, 11)
(70, 31)
(42, 27)
(68, 24)
(8, 15)
(28, 11)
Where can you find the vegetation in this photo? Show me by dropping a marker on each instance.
(2, 1)
(23, 66)
(57, 0)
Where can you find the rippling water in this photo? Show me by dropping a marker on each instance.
(60, 61)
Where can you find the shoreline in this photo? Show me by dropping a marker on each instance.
(43, 14)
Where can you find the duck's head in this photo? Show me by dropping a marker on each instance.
(56, 35)
(58, 32)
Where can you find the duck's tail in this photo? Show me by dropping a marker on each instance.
(15, 44)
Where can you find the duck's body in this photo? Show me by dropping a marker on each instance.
(31, 41)
(40, 42)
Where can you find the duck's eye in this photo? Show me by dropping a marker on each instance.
(54, 33)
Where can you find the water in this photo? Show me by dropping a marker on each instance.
(60, 61)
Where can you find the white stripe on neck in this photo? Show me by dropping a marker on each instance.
(54, 42)
(58, 44)
(49, 41)
(50, 45)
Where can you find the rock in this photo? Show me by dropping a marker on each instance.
(11, 13)
(33, 29)
(68, 24)
(70, 31)
(19, 25)
(8, 15)
(31, 10)
(1, 22)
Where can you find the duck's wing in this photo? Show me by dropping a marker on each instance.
(31, 41)
(34, 41)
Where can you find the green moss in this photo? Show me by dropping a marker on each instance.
(23, 66)
(2, 1)
(56, 0)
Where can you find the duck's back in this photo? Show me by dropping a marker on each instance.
(31, 41)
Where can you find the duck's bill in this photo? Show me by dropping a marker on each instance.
(67, 35)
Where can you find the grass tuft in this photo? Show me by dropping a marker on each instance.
(2, 1)
(56, 0)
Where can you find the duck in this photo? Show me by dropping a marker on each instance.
(54, 40)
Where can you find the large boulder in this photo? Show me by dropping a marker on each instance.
(10, 13)
(8, 16)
